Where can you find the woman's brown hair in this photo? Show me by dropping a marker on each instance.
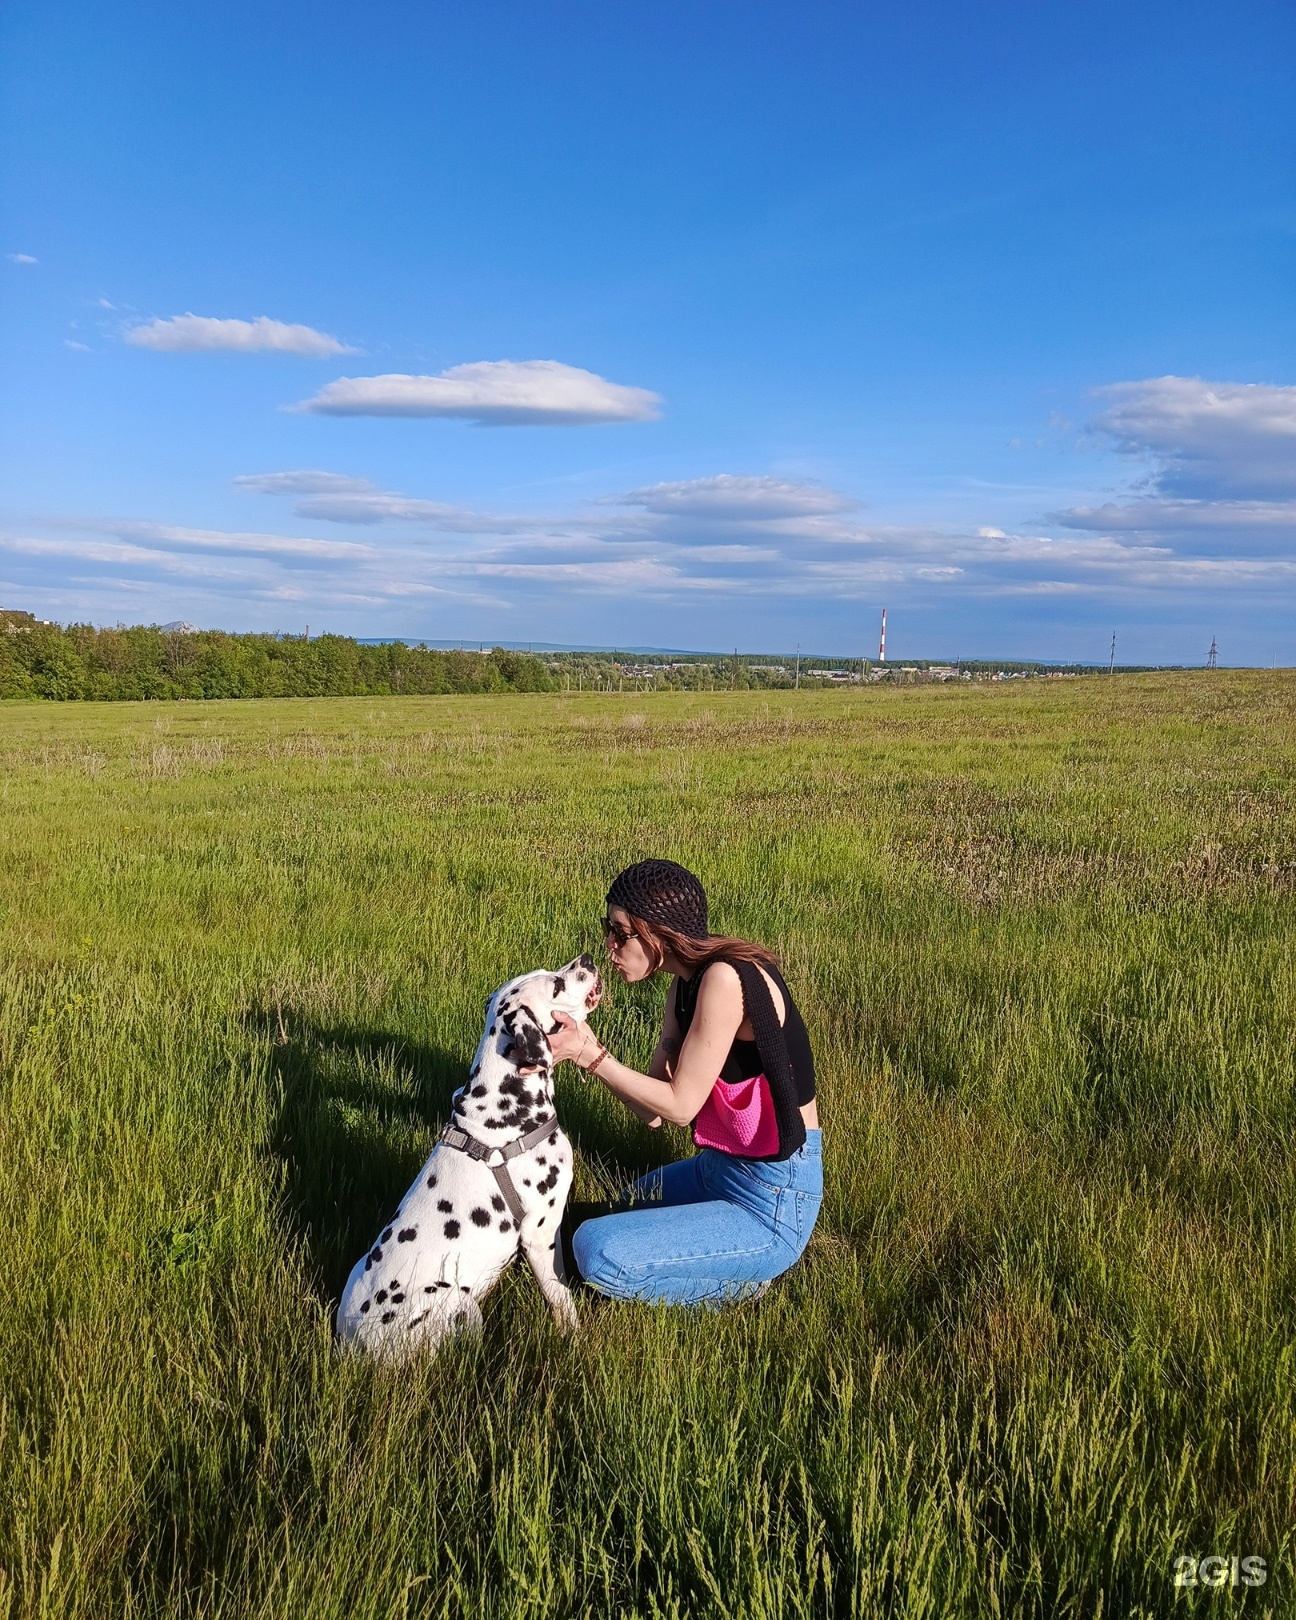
(692, 953)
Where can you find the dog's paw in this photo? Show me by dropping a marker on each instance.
(565, 1316)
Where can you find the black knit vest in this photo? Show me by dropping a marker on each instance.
(770, 1043)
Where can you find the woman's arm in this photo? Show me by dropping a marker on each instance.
(582, 1047)
(679, 1097)
(662, 1065)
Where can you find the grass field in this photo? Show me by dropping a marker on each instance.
(1040, 1346)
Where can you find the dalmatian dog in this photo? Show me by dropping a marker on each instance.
(497, 1180)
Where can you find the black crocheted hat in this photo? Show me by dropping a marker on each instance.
(662, 892)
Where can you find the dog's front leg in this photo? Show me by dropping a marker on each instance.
(540, 1257)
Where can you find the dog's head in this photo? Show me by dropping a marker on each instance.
(527, 1008)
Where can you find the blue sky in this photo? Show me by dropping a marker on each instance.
(690, 325)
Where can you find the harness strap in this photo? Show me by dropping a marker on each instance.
(483, 1152)
(508, 1191)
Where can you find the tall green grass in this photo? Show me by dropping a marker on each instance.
(1040, 1346)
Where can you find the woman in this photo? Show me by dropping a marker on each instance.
(734, 1061)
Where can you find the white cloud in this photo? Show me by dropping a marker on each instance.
(191, 334)
(730, 498)
(1276, 518)
(1221, 461)
(746, 536)
(71, 343)
(337, 498)
(381, 508)
(301, 483)
(1211, 440)
(167, 537)
(641, 574)
(759, 540)
(21, 258)
(492, 393)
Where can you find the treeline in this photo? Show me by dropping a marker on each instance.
(618, 672)
(79, 662)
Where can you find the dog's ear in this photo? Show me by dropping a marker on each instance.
(530, 1043)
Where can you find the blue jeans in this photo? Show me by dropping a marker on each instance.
(709, 1228)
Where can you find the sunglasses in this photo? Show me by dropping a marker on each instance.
(620, 937)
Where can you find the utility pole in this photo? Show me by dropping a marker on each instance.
(882, 643)
(797, 684)
(1210, 656)
(1112, 665)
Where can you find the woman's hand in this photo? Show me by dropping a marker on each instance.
(572, 1040)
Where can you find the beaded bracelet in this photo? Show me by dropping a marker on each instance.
(593, 1068)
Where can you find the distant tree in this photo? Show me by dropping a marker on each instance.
(140, 662)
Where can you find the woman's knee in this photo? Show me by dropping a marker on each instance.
(590, 1248)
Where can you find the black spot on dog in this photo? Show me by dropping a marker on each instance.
(386, 1237)
(388, 1316)
(553, 1138)
(540, 1222)
(451, 1229)
(368, 1262)
(506, 1226)
(429, 1288)
(364, 1307)
(479, 1217)
(560, 984)
(398, 1299)
(431, 1181)
(443, 1284)
(491, 1030)
(464, 1288)
(416, 1320)
(408, 1235)
(540, 1159)
(551, 1202)
(526, 1181)
(479, 1091)
(381, 1296)
(445, 1206)
(497, 1202)
(375, 1255)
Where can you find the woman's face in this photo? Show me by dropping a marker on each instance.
(629, 956)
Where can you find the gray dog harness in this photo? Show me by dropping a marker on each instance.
(453, 1137)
